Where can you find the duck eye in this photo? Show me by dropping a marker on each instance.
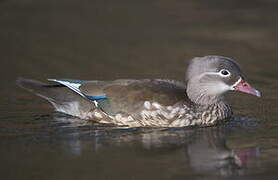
(224, 72)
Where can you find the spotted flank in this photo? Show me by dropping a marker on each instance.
(155, 114)
(165, 116)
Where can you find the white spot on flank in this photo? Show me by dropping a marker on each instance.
(175, 110)
(118, 117)
(147, 104)
(156, 105)
(169, 108)
(182, 111)
(98, 115)
(130, 118)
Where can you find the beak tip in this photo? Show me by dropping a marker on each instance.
(243, 86)
(258, 93)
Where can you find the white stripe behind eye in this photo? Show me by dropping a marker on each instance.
(209, 73)
(215, 73)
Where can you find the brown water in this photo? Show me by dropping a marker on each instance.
(135, 39)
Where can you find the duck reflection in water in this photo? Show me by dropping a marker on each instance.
(203, 150)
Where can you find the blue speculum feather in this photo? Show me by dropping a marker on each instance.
(98, 97)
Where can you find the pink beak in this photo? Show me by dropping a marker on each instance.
(243, 86)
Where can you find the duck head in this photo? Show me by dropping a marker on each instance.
(210, 77)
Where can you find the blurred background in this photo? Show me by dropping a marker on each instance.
(106, 40)
(111, 39)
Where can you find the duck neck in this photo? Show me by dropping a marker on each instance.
(203, 93)
(213, 113)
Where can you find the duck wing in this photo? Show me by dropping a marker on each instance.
(128, 96)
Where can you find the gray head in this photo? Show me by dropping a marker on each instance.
(209, 77)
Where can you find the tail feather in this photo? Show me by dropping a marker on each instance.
(62, 98)
(54, 93)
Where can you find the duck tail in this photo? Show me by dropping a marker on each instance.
(63, 99)
(49, 92)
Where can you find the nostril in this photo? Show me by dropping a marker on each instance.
(246, 84)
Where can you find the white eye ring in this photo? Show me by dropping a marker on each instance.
(224, 73)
